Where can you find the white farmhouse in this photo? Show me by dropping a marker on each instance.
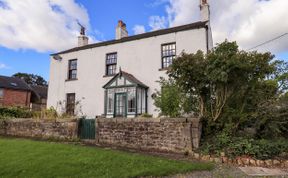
(117, 78)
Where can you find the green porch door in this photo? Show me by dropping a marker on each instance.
(120, 105)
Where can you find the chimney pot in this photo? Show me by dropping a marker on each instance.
(82, 39)
(121, 30)
(204, 10)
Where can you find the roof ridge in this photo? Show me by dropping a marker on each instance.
(194, 25)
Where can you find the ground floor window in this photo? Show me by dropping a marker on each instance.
(70, 103)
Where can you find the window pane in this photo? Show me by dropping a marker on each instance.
(143, 101)
(111, 59)
(131, 100)
(110, 101)
(73, 64)
(74, 74)
(139, 101)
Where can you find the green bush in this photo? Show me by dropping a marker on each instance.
(241, 146)
(15, 113)
(168, 100)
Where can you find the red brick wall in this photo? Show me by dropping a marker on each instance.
(15, 98)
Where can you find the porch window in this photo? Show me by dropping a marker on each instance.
(111, 63)
(110, 101)
(125, 96)
(131, 100)
(168, 54)
(141, 100)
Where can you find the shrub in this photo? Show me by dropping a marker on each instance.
(241, 146)
(15, 113)
(169, 99)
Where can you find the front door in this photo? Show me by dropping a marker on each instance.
(120, 105)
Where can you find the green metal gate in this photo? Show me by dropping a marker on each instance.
(87, 128)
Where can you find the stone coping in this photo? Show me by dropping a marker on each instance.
(38, 120)
(143, 119)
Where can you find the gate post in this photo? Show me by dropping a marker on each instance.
(96, 130)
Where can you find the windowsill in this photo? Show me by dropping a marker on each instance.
(109, 75)
(164, 69)
(68, 80)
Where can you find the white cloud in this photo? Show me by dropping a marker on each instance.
(138, 29)
(4, 66)
(249, 22)
(180, 12)
(45, 25)
(157, 22)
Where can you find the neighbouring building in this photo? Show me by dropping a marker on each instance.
(117, 78)
(14, 92)
(38, 97)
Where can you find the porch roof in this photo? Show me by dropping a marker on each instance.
(129, 77)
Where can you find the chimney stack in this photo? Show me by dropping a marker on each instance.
(121, 30)
(82, 38)
(204, 10)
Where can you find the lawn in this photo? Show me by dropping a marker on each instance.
(26, 158)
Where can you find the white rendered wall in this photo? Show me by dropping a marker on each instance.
(141, 58)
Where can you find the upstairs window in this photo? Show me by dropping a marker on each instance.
(70, 104)
(72, 69)
(168, 54)
(111, 63)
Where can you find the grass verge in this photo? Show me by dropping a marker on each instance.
(26, 158)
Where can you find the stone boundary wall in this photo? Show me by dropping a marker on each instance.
(46, 129)
(164, 134)
(242, 161)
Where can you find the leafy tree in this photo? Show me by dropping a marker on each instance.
(229, 86)
(31, 79)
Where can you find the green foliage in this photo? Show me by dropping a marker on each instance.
(241, 146)
(20, 158)
(233, 91)
(229, 88)
(8, 113)
(32, 79)
(169, 99)
(271, 120)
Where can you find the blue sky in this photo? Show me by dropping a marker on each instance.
(32, 35)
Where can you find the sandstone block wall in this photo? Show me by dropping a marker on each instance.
(176, 135)
(64, 129)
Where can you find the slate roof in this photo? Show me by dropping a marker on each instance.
(195, 25)
(13, 83)
(41, 91)
(128, 76)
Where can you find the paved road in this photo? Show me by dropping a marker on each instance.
(224, 171)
